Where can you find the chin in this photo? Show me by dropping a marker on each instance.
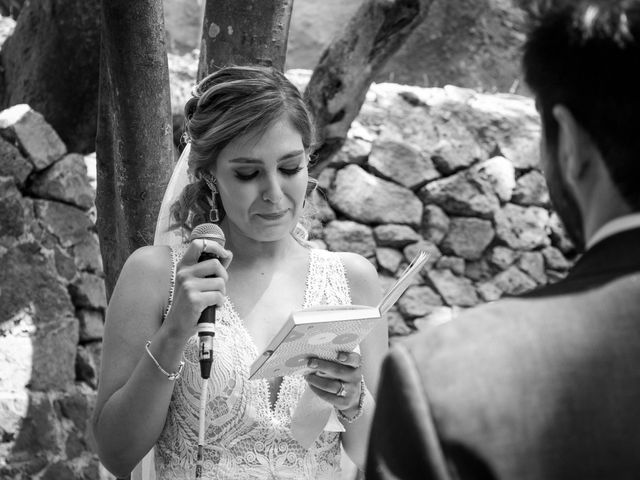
(271, 235)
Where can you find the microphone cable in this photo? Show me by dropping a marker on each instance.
(206, 328)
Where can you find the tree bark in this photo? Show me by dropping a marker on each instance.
(244, 32)
(339, 83)
(51, 62)
(134, 141)
(11, 8)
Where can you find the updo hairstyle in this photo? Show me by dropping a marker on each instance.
(224, 105)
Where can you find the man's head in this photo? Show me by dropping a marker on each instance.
(582, 62)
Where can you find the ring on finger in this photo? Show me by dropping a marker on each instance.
(341, 391)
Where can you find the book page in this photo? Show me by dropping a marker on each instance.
(397, 289)
(314, 339)
(325, 330)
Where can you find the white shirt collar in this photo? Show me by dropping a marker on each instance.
(617, 225)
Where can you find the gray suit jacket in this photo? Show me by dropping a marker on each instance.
(542, 386)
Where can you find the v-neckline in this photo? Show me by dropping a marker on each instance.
(272, 407)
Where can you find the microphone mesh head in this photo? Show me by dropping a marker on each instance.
(209, 231)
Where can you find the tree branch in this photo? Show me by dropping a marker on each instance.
(339, 83)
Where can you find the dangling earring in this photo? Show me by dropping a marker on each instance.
(312, 184)
(214, 216)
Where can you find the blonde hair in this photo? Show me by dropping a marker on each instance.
(224, 105)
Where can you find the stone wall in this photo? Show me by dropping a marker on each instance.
(449, 171)
(52, 302)
(452, 172)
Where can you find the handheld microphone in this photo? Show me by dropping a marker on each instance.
(207, 320)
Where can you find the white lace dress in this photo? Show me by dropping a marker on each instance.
(247, 438)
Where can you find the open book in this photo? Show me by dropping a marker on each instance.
(326, 330)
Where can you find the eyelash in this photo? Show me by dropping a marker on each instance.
(289, 172)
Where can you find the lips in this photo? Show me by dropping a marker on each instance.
(272, 215)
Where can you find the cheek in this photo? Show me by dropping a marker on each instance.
(236, 198)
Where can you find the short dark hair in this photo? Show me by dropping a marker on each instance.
(585, 55)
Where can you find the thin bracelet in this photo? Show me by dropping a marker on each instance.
(358, 414)
(170, 376)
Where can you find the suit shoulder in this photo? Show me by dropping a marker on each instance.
(480, 341)
(471, 323)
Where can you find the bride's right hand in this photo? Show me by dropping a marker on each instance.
(197, 286)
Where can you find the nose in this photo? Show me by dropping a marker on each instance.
(272, 191)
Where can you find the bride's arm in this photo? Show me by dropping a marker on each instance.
(133, 392)
(133, 395)
(365, 290)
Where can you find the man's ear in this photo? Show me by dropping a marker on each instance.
(574, 145)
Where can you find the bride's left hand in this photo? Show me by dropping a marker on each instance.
(338, 382)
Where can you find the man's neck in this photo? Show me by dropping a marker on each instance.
(600, 200)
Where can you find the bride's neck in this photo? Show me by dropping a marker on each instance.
(247, 252)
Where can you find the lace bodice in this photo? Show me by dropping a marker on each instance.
(247, 437)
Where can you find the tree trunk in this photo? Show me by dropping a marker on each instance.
(134, 142)
(11, 8)
(339, 83)
(244, 32)
(51, 62)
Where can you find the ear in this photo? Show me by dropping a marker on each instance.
(574, 145)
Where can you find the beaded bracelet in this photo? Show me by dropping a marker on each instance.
(358, 414)
(171, 376)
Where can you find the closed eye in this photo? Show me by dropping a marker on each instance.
(251, 174)
(246, 176)
(291, 171)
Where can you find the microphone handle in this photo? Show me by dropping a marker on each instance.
(206, 331)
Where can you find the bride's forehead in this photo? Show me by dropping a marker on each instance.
(276, 140)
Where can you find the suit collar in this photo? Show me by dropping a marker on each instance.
(614, 255)
(617, 225)
(611, 258)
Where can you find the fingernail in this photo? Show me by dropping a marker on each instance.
(313, 363)
(343, 357)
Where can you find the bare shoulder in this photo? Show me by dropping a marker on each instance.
(152, 258)
(153, 261)
(358, 268)
(363, 278)
(148, 269)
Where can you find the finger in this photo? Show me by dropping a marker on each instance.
(331, 369)
(188, 276)
(210, 299)
(329, 385)
(199, 245)
(352, 359)
(193, 252)
(226, 261)
(211, 284)
(209, 268)
(216, 249)
(340, 402)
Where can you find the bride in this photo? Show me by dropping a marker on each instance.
(249, 140)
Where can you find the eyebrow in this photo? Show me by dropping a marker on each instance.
(249, 160)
